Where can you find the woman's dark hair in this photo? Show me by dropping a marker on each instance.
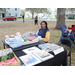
(45, 23)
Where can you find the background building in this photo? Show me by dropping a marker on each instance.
(10, 12)
(1, 14)
(70, 14)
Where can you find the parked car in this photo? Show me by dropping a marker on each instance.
(44, 17)
(10, 18)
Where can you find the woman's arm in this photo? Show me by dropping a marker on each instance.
(47, 36)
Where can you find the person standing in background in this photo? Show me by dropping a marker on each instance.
(23, 17)
(36, 20)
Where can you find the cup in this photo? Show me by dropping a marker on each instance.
(18, 34)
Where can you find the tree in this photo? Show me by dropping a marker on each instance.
(3, 9)
(55, 15)
(5, 12)
(37, 10)
(23, 11)
(31, 10)
(70, 9)
(60, 17)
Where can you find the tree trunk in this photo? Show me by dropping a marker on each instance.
(32, 15)
(60, 17)
(4, 12)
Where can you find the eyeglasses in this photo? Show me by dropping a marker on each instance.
(42, 24)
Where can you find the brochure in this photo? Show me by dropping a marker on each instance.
(14, 43)
(30, 60)
(31, 38)
(28, 34)
(43, 55)
(49, 47)
(30, 50)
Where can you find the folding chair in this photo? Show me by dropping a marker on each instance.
(69, 43)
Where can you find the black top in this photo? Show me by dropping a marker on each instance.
(23, 16)
(36, 18)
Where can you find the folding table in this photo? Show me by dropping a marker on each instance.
(58, 60)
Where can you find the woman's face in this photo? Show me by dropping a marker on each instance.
(43, 25)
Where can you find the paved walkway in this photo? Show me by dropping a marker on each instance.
(41, 19)
(19, 20)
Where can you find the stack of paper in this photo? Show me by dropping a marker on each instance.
(31, 38)
(30, 50)
(35, 56)
(14, 43)
(51, 47)
(30, 60)
(28, 34)
(59, 50)
(43, 55)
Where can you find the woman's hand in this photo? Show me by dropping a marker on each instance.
(68, 30)
(39, 37)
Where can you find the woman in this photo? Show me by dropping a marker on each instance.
(44, 32)
(36, 20)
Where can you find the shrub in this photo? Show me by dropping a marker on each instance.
(70, 18)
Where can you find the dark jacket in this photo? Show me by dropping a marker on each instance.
(67, 34)
(42, 32)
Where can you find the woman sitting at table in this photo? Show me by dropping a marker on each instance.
(44, 32)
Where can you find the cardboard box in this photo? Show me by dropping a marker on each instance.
(14, 64)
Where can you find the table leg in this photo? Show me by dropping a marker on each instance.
(4, 46)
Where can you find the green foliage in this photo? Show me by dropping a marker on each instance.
(3, 8)
(10, 56)
(55, 15)
(0, 59)
(3, 58)
(38, 10)
(70, 18)
(23, 11)
(70, 9)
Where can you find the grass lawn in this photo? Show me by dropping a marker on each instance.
(51, 18)
(0, 18)
(11, 27)
(33, 19)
